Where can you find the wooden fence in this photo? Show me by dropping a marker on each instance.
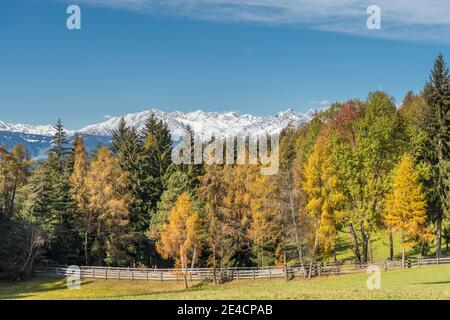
(207, 274)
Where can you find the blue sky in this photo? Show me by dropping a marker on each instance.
(133, 55)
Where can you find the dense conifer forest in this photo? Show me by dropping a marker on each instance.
(358, 168)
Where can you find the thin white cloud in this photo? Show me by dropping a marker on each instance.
(410, 20)
(322, 103)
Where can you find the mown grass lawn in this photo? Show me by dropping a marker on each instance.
(421, 283)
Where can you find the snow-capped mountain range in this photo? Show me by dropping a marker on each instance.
(204, 124)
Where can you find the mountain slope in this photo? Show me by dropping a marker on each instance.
(205, 124)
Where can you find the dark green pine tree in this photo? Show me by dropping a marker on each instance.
(193, 170)
(153, 160)
(436, 124)
(58, 151)
(128, 147)
(119, 137)
(158, 146)
(56, 205)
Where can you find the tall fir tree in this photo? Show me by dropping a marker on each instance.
(436, 124)
(57, 204)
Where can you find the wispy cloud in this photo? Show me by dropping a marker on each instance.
(410, 20)
(319, 104)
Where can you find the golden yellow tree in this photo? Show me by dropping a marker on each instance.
(405, 206)
(235, 214)
(266, 220)
(212, 190)
(324, 196)
(80, 191)
(108, 200)
(180, 236)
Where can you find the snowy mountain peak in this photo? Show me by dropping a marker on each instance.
(44, 130)
(205, 123)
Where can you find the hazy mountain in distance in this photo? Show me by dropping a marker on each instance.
(205, 124)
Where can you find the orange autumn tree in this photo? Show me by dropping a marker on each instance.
(180, 236)
(80, 192)
(108, 202)
(405, 206)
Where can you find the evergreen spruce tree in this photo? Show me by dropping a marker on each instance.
(119, 138)
(55, 204)
(436, 124)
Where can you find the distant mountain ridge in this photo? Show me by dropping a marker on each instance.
(205, 124)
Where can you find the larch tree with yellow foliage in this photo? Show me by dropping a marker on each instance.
(212, 190)
(180, 236)
(405, 206)
(109, 200)
(80, 191)
(324, 196)
(266, 220)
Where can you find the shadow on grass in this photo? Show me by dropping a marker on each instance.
(30, 288)
(194, 288)
(434, 282)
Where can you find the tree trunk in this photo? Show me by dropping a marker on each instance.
(313, 258)
(214, 265)
(355, 243)
(194, 256)
(403, 256)
(403, 251)
(184, 267)
(297, 237)
(13, 199)
(286, 276)
(364, 240)
(391, 246)
(439, 237)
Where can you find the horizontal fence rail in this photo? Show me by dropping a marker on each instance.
(208, 274)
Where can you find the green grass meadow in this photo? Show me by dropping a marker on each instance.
(421, 283)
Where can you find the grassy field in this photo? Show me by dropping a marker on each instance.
(421, 283)
(380, 247)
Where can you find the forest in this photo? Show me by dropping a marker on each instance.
(357, 168)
